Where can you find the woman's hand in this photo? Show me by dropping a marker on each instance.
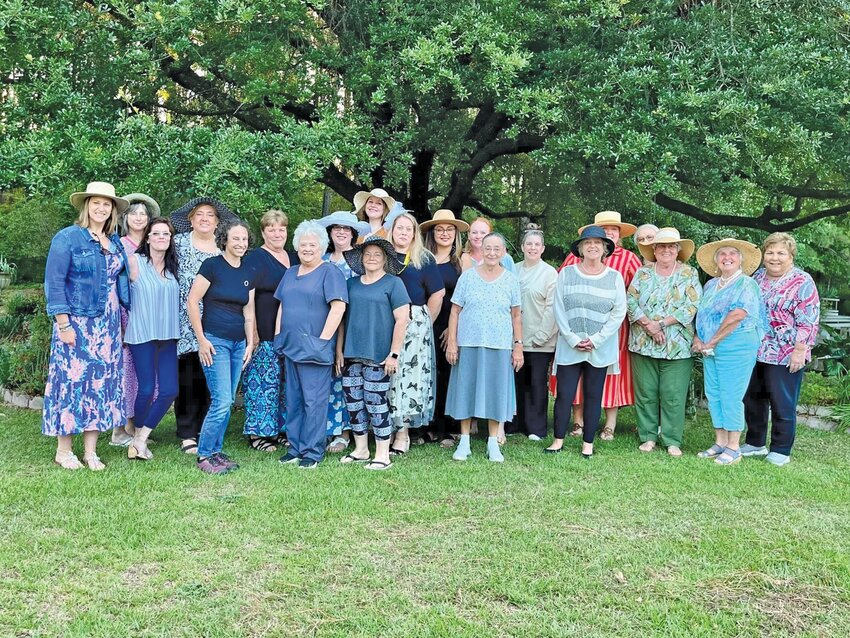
(249, 351)
(585, 345)
(698, 345)
(206, 352)
(390, 365)
(68, 336)
(798, 361)
(444, 339)
(658, 337)
(451, 353)
(517, 358)
(339, 363)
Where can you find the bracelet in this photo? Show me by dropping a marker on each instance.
(518, 342)
(64, 328)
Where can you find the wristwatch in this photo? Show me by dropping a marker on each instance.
(393, 355)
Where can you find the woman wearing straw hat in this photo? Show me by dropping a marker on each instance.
(377, 209)
(618, 387)
(793, 311)
(195, 222)
(729, 325)
(663, 301)
(132, 226)
(369, 344)
(262, 382)
(590, 305)
(343, 231)
(442, 237)
(85, 281)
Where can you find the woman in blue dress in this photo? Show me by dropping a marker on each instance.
(262, 382)
(343, 231)
(85, 280)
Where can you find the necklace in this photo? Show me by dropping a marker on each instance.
(725, 281)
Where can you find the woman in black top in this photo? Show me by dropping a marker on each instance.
(442, 238)
(262, 386)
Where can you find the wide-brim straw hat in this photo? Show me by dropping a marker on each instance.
(612, 218)
(750, 252)
(444, 216)
(354, 257)
(180, 217)
(345, 218)
(362, 197)
(592, 232)
(149, 202)
(667, 235)
(99, 189)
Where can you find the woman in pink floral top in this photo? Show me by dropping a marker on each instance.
(793, 312)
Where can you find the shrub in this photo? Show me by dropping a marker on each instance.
(24, 354)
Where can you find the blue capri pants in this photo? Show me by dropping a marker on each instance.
(727, 376)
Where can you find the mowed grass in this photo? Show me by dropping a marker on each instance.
(627, 544)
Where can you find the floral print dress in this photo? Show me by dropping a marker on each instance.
(85, 382)
(338, 419)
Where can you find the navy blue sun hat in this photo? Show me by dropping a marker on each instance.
(593, 232)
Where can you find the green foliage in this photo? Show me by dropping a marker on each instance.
(820, 390)
(25, 333)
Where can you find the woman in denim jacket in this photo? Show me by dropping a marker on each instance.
(85, 281)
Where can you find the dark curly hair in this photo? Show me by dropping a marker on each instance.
(225, 228)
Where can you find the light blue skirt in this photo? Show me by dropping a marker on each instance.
(482, 385)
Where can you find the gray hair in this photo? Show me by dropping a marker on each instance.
(314, 228)
(740, 254)
(676, 244)
(132, 208)
(642, 226)
(498, 236)
(533, 233)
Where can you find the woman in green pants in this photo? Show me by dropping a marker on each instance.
(663, 299)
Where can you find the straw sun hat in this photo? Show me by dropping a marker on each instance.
(750, 252)
(667, 236)
(612, 218)
(99, 189)
(444, 216)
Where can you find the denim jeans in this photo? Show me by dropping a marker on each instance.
(156, 369)
(222, 380)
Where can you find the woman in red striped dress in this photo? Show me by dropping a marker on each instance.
(618, 387)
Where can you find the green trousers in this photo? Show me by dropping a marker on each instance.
(661, 390)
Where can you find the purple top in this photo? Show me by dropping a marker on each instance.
(793, 314)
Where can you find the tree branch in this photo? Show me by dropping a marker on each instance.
(764, 222)
(474, 202)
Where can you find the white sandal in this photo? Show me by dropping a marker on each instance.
(93, 462)
(67, 461)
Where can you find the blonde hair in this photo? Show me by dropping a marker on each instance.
(467, 247)
(781, 238)
(273, 216)
(419, 255)
(111, 224)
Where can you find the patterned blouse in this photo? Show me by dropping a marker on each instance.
(742, 293)
(793, 315)
(189, 260)
(655, 297)
(343, 266)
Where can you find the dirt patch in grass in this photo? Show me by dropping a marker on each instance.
(787, 606)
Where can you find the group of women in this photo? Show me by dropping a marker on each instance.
(376, 323)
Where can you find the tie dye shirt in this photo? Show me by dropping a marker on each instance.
(793, 314)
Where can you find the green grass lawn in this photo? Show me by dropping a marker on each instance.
(627, 544)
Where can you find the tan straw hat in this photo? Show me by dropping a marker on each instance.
(751, 255)
(667, 236)
(612, 218)
(362, 197)
(444, 216)
(99, 189)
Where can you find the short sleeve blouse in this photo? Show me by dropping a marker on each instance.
(485, 318)
(742, 293)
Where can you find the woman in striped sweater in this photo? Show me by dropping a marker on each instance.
(590, 305)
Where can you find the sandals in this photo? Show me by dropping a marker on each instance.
(350, 458)
(607, 434)
(711, 453)
(67, 460)
(728, 457)
(93, 462)
(337, 445)
(138, 454)
(578, 429)
(674, 450)
(447, 443)
(379, 466)
(647, 446)
(120, 438)
(263, 443)
(189, 446)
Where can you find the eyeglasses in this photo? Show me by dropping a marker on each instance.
(165, 234)
(444, 230)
